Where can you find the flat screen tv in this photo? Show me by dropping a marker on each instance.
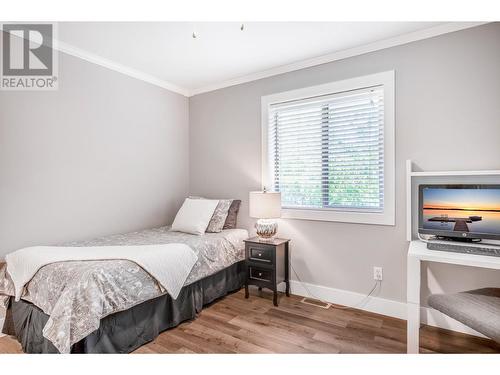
(466, 212)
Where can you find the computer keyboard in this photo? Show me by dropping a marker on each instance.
(466, 249)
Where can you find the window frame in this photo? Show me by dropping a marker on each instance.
(387, 216)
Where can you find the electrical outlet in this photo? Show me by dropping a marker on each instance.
(377, 273)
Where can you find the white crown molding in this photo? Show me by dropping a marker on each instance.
(112, 65)
(131, 72)
(339, 55)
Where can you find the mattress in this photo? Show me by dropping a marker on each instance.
(77, 295)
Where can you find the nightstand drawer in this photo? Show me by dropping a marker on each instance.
(260, 253)
(260, 274)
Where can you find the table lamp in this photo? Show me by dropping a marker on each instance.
(265, 206)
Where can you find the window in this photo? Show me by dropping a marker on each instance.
(329, 150)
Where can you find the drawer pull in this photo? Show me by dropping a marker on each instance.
(260, 255)
(262, 275)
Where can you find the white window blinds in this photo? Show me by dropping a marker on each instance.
(327, 152)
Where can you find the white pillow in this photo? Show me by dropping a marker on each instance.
(194, 215)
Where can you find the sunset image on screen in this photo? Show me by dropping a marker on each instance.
(463, 210)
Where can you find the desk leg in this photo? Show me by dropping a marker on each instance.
(413, 305)
(413, 329)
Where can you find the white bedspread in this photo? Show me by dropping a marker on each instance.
(169, 264)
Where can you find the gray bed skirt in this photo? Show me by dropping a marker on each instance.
(125, 331)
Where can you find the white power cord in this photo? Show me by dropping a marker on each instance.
(423, 239)
(358, 305)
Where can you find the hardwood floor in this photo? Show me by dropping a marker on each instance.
(236, 325)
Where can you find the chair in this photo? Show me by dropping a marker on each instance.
(478, 309)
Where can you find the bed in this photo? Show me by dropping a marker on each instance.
(114, 306)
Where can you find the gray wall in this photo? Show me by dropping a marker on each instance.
(447, 117)
(104, 154)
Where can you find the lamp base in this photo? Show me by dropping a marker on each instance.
(266, 229)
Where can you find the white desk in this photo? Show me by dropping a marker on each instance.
(418, 253)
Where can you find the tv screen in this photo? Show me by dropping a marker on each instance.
(462, 211)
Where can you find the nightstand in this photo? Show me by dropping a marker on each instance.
(267, 264)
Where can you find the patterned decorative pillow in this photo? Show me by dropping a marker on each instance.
(232, 215)
(218, 219)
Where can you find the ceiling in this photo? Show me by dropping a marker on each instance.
(221, 53)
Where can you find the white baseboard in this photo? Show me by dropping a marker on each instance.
(352, 299)
(377, 305)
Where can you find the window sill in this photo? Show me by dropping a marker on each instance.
(383, 218)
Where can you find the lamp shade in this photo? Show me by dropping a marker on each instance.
(265, 205)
